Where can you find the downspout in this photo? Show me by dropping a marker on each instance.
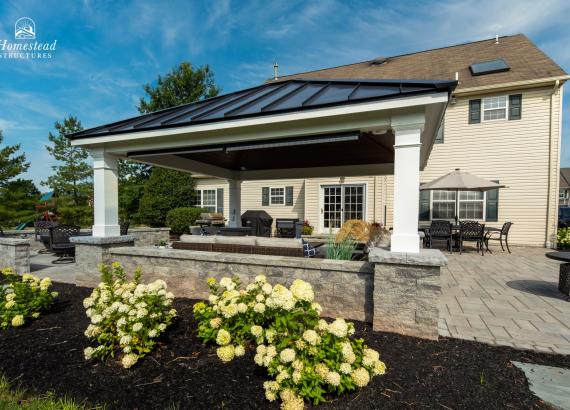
(551, 243)
(374, 219)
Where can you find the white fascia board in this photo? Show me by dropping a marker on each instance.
(404, 102)
(319, 172)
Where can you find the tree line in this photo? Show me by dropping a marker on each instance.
(146, 193)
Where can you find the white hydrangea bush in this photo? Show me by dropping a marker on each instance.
(23, 297)
(127, 317)
(306, 357)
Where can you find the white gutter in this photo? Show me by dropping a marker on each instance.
(514, 84)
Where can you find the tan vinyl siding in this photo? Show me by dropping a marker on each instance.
(251, 198)
(514, 152)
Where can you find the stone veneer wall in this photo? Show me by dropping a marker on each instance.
(406, 292)
(149, 236)
(15, 254)
(344, 288)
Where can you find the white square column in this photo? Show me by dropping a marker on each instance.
(407, 145)
(235, 203)
(106, 194)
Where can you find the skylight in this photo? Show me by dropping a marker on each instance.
(489, 67)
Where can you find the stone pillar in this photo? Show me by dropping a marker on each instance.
(406, 292)
(106, 194)
(235, 203)
(15, 254)
(406, 189)
(91, 251)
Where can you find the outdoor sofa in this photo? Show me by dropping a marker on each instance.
(241, 244)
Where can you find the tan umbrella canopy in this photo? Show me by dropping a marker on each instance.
(460, 181)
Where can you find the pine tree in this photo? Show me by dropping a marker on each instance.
(73, 175)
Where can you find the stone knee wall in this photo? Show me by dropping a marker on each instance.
(90, 252)
(15, 254)
(406, 293)
(145, 237)
(343, 288)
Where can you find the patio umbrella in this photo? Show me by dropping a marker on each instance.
(458, 180)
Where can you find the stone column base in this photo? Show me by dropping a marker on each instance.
(15, 254)
(91, 251)
(406, 292)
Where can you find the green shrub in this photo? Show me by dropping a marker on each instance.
(308, 229)
(126, 315)
(22, 298)
(563, 238)
(179, 220)
(307, 357)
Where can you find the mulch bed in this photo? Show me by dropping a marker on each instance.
(47, 355)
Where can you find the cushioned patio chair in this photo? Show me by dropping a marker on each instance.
(503, 235)
(440, 231)
(60, 244)
(472, 231)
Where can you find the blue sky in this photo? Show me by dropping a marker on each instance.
(106, 50)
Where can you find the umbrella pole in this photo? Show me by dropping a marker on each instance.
(456, 206)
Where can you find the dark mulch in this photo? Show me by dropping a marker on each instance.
(47, 355)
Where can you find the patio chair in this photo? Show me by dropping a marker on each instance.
(503, 234)
(440, 231)
(124, 227)
(472, 231)
(60, 244)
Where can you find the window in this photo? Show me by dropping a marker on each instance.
(443, 205)
(277, 196)
(495, 108)
(205, 198)
(471, 205)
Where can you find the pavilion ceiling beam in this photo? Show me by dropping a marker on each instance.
(187, 165)
(318, 172)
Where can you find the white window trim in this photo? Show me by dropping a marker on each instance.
(276, 196)
(321, 227)
(201, 197)
(484, 200)
(492, 109)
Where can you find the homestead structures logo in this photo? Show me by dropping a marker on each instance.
(25, 29)
(25, 46)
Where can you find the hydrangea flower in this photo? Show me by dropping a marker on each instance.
(226, 353)
(223, 337)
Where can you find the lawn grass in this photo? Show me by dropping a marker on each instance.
(16, 398)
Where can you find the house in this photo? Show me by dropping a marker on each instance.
(564, 187)
(503, 123)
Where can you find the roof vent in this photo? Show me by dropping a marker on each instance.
(489, 67)
(379, 61)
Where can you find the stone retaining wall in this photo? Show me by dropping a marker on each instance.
(406, 292)
(15, 254)
(145, 237)
(344, 288)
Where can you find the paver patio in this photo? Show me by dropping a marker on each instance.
(505, 299)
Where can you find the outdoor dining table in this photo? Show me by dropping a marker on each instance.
(456, 228)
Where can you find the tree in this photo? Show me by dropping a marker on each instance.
(11, 165)
(72, 178)
(168, 189)
(164, 190)
(132, 179)
(18, 200)
(182, 85)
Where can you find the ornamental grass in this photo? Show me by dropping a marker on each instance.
(127, 317)
(22, 298)
(306, 357)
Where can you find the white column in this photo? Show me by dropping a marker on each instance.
(407, 145)
(106, 192)
(235, 203)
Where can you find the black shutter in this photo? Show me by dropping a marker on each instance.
(265, 196)
(515, 107)
(220, 200)
(424, 205)
(492, 205)
(439, 135)
(289, 196)
(474, 111)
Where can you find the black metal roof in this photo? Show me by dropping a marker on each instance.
(271, 98)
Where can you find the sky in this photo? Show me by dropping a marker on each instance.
(106, 50)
